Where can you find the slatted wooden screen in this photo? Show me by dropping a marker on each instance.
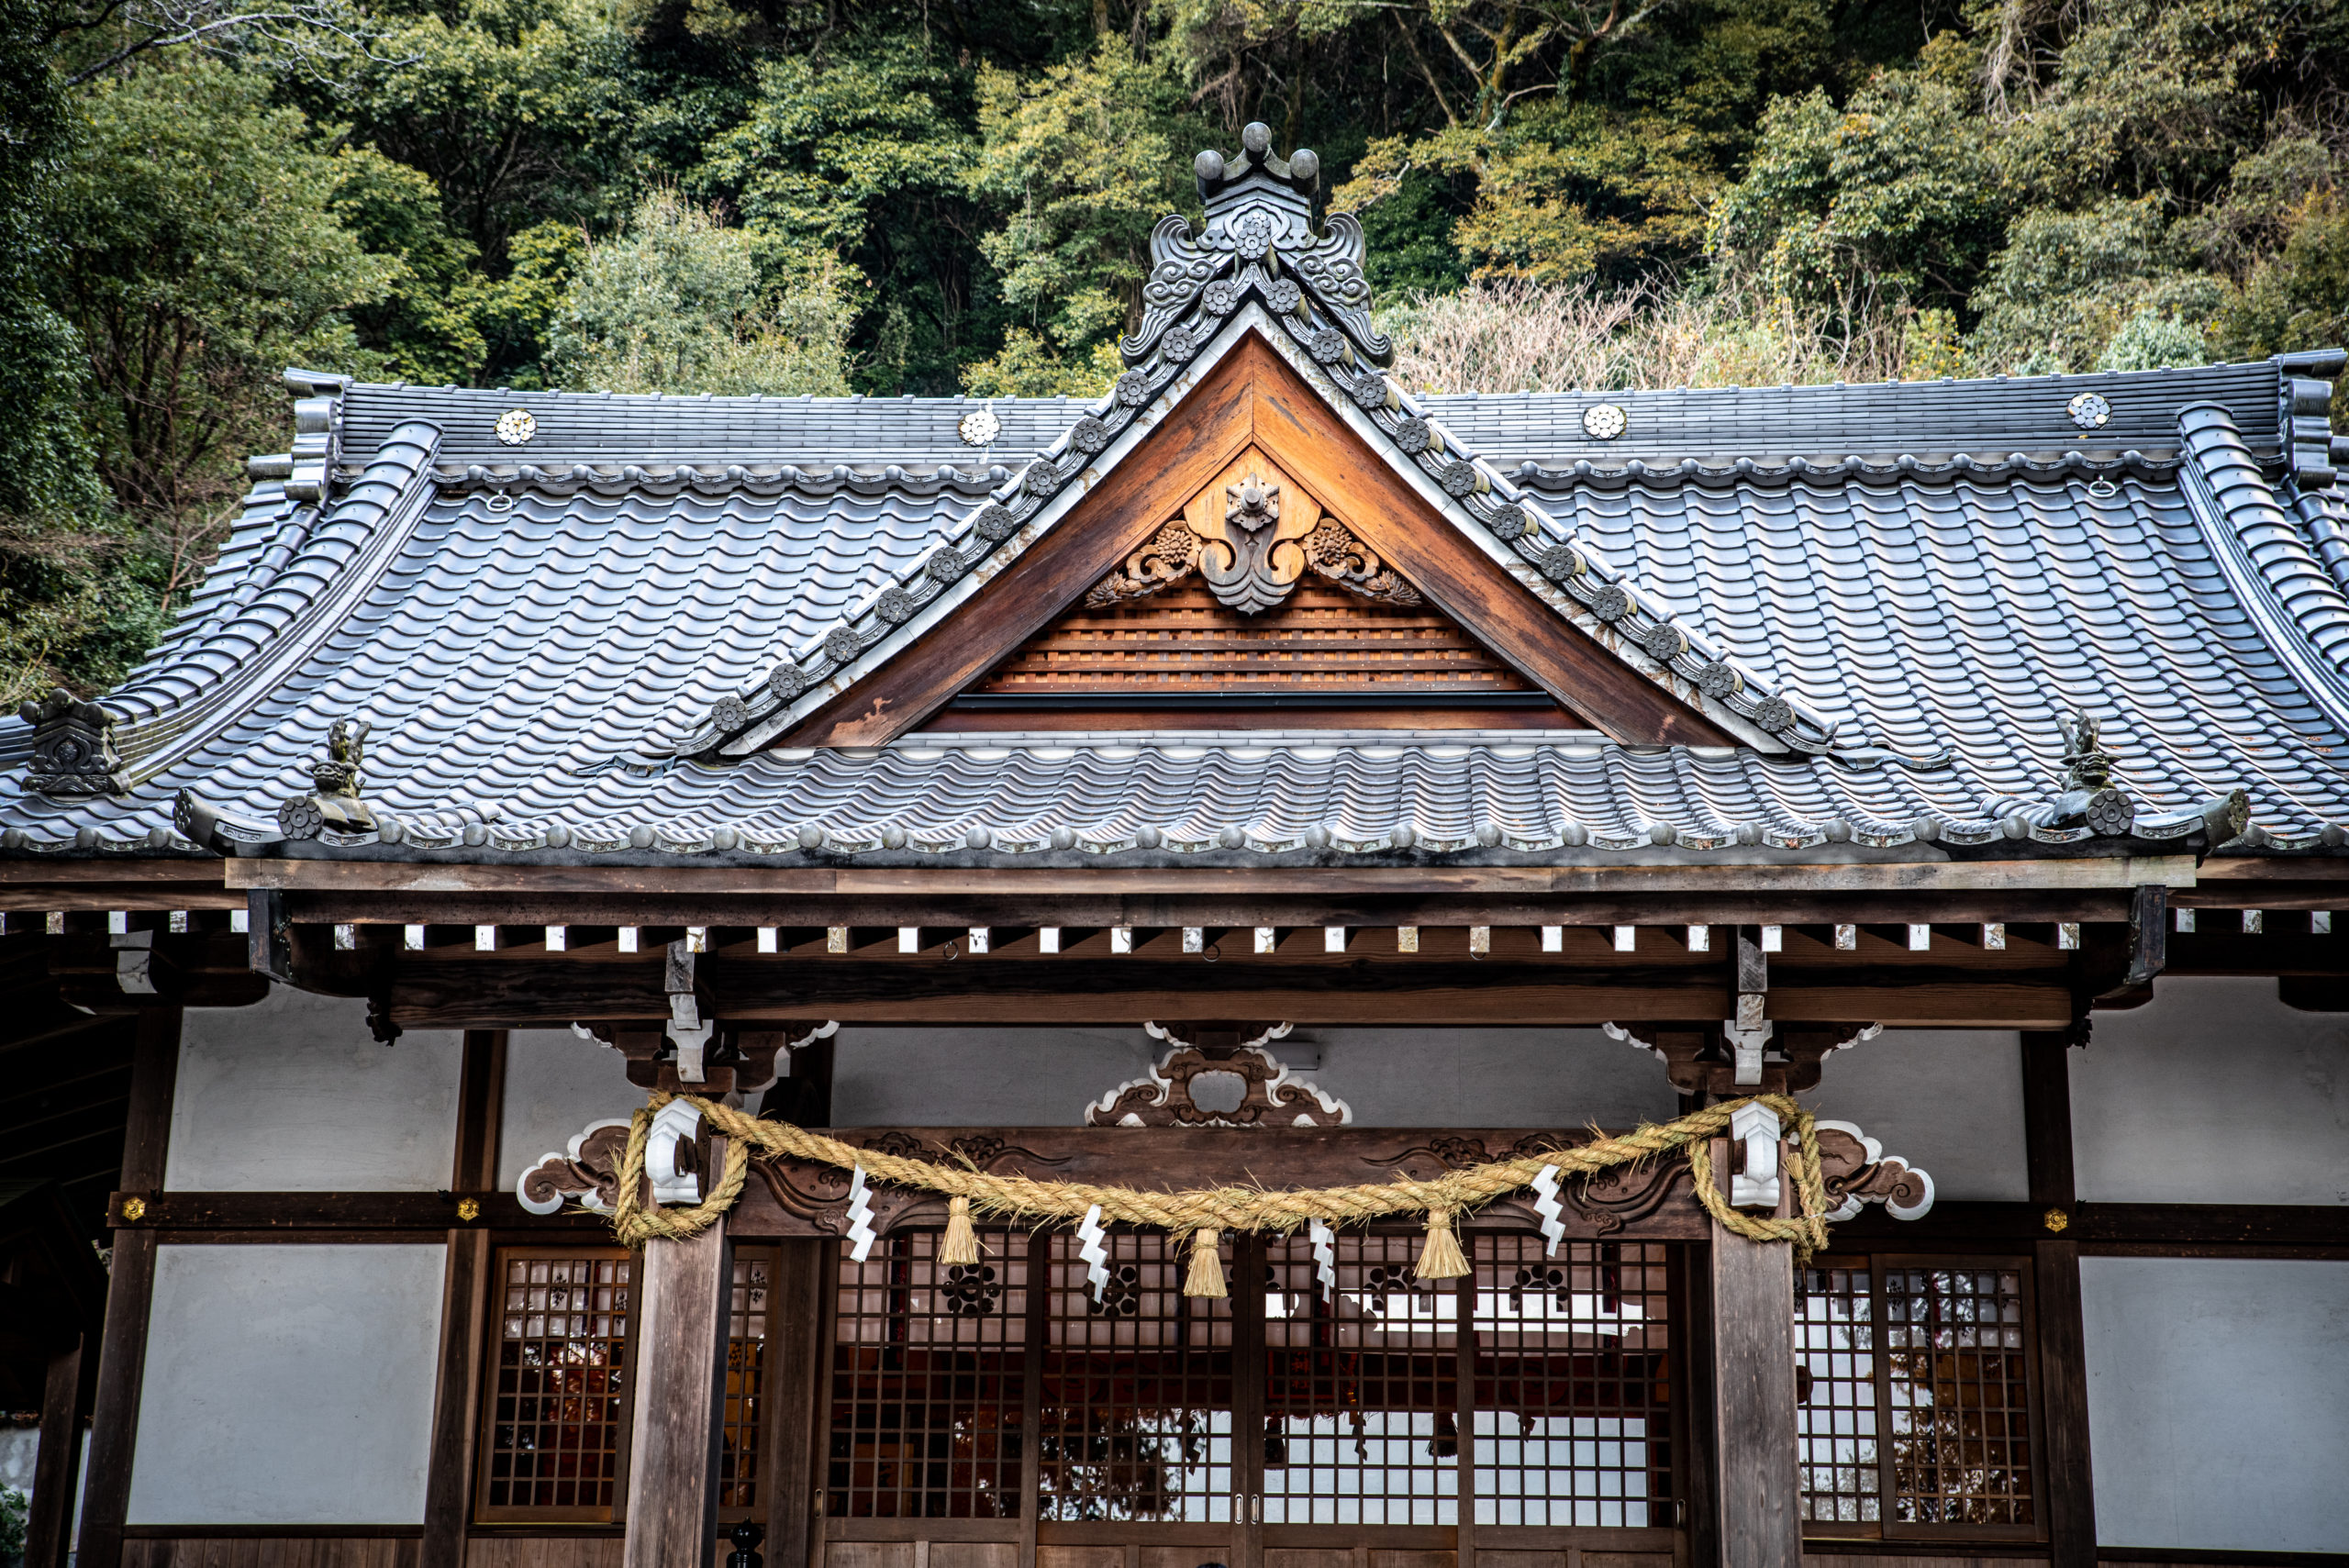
(1137, 1405)
(741, 1419)
(555, 1418)
(928, 1367)
(1918, 1418)
(1574, 1384)
(1182, 642)
(1361, 1389)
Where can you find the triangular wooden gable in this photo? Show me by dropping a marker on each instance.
(1346, 644)
(1252, 410)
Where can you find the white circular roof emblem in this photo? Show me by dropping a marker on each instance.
(1604, 421)
(979, 428)
(2088, 411)
(515, 426)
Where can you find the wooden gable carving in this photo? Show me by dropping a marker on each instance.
(1358, 606)
(1253, 607)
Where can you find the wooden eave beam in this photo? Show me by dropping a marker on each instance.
(493, 990)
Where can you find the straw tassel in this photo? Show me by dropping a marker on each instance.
(1207, 1265)
(1441, 1258)
(962, 1243)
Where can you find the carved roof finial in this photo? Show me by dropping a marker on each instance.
(74, 751)
(2086, 765)
(1257, 168)
(335, 806)
(2090, 798)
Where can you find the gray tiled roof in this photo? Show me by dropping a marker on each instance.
(533, 647)
(1987, 419)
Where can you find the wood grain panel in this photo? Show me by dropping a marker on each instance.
(869, 1554)
(1389, 1559)
(544, 1551)
(1182, 642)
(998, 1554)
(1296, 1557)
(1065, 1557)
(277, 1551)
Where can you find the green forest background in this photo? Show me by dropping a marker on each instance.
(940, 195)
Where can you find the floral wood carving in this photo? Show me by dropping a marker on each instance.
(1336, 554)
(1331, 550)
(1170, 555)
(589, 1173)
(817, 1194)
(1610, 1199)
(1272, 1098)
(1251, 558)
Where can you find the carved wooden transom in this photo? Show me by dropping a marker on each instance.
(1172, 1096)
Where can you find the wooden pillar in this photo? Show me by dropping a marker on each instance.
(122, 1359)
(796, 1348)
(1754, 1395)
(684, 1292)
(464, 1329)
(57, 1467)
(2063, 1349)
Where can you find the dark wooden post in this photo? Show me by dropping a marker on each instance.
(683, 1293)
(456, 1407)
(2062, 1350)
(1754, 1395)
(796, 1350)
(57, 1467)
(122, 1360)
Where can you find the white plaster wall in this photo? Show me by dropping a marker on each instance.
(1947, 1101)
(288, 1384)
(2218, 1402)
(1404, 1077)
(293, 1095)
(2213, 1092)
(19, 1447)
(556, 1084)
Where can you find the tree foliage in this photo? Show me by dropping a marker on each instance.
(923, 196)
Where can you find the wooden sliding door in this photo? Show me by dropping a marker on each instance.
(1331, 1412)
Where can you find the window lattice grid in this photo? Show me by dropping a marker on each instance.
(1137, 1411)
(555, 1414)
(1959, 1392)
(928, 1374)
(1836, 1423)
(1572, 1406)
(1359, 1390)
(746, 1343)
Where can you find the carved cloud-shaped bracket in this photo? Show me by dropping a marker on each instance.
(1858, 1171)
(1272, 1097)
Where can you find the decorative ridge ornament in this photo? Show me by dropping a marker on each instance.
(335, 806)
(74, 751)
(2090, 798)
(1258, 235)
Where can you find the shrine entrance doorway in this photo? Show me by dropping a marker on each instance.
(1328, 1413)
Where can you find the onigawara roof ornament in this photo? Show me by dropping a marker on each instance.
(74, 751)
(2090, 798)
(334, 806)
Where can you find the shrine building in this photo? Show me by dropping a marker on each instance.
(1271, 970)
